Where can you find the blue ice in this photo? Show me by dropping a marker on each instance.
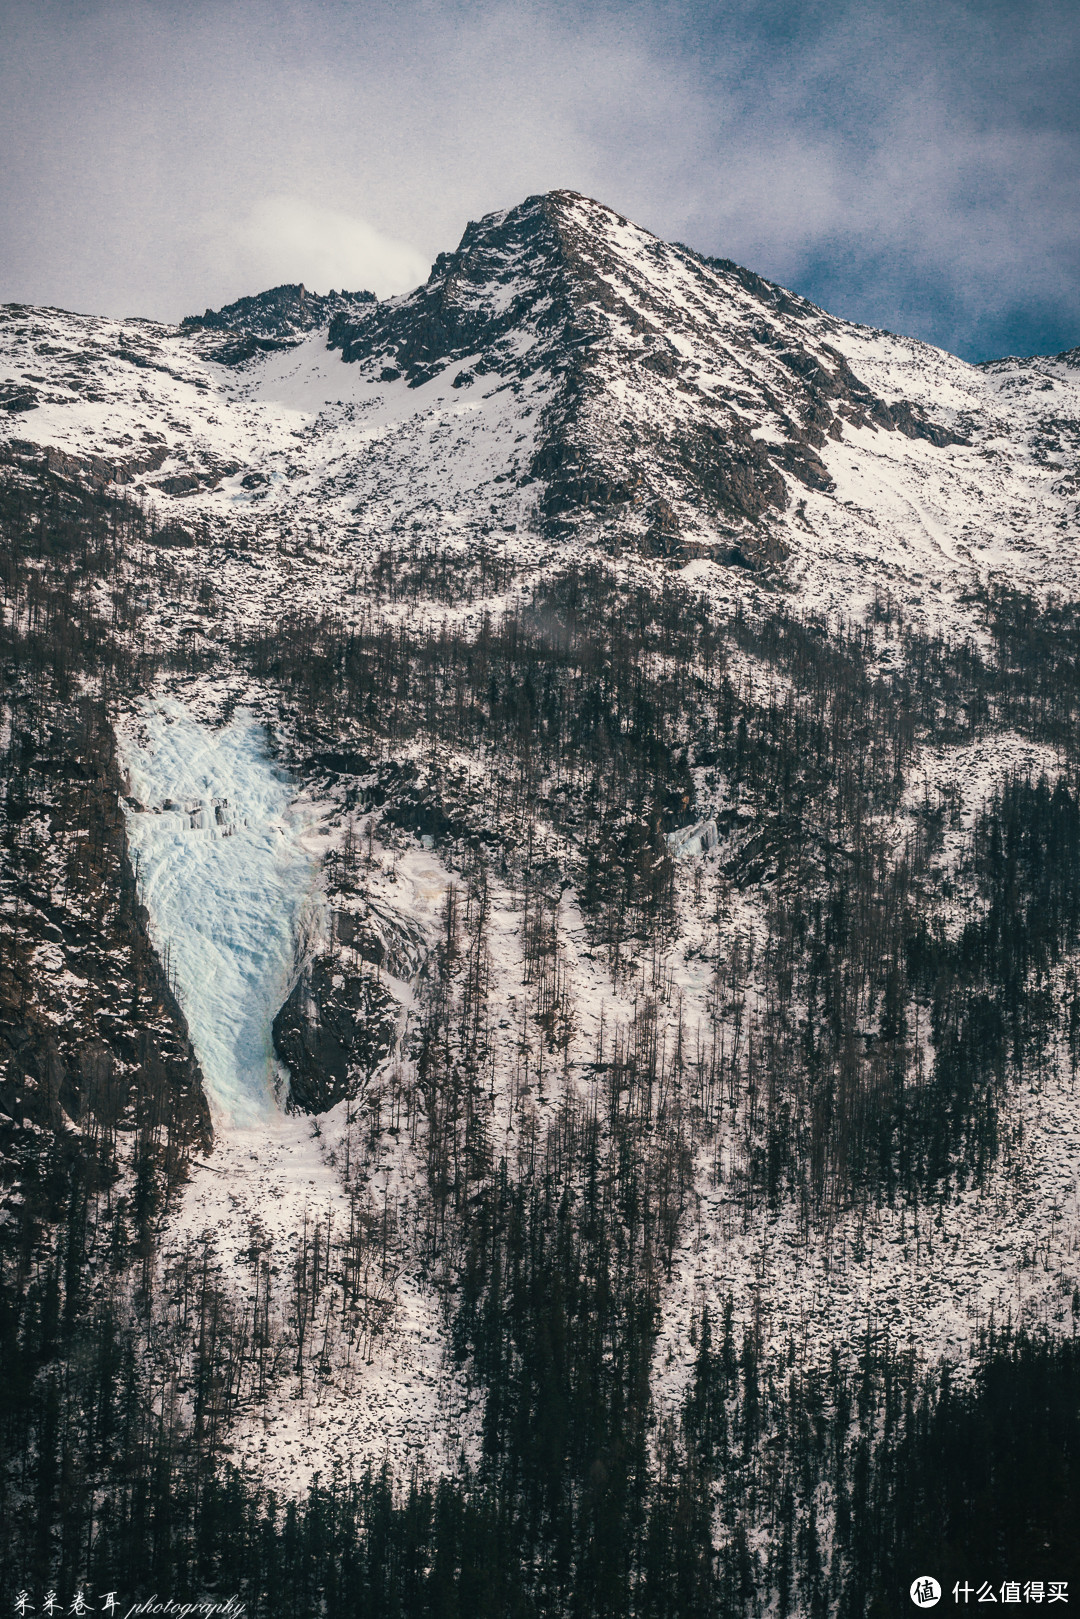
(229, 885)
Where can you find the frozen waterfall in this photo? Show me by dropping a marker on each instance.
(230, 887)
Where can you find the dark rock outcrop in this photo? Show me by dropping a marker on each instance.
(96, 471)
(334, 1030)
(17, 397)
(280, 312)
(91, 1034)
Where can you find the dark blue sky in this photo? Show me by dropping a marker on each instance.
(914, 165)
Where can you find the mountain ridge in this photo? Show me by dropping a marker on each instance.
(279, 311)
(607, 383)
(540, 966)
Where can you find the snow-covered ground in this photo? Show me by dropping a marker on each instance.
(930, 1278)
(229, 866)
(299, 464)
(383, 1389)
(237, 890)
(295, 470)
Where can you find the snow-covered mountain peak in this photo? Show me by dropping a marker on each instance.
(505, 299)
(575, 760)
(566, 376)
(688, 404)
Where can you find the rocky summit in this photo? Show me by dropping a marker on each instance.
(539, 946)
(566, 374)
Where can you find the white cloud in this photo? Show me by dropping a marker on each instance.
(910, 162)
(282, 239)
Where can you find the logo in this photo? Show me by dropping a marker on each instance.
(925, 1591)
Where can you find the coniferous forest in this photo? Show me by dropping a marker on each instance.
(862, 1057)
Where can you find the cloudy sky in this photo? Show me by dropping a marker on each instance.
(910, 163)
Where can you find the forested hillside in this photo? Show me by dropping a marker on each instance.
(828, 1481)
(539, 1002)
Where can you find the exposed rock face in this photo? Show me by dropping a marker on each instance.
(16, 398)
(276, 319)
(93, 1043)
(567, 371)
(280, 312)
(95, 470)
(651, 356)
(332, 1033)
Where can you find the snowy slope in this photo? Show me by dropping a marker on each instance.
(228, 859)
(566, 374)
(564, 384)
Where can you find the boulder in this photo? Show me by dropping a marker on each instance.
(332, 1033)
